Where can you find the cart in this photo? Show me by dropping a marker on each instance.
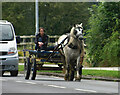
(36, 59)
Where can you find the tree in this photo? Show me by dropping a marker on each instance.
(21, 15)
(103, 34)
(57, 18)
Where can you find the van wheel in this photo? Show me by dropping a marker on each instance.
(2, 73)
(14, 73)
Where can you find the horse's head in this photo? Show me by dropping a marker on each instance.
(77, 31)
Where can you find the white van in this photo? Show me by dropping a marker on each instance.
(8, 49)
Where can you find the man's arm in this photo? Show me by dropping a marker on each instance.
(46, 40)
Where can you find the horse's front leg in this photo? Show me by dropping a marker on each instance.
(79, 68)
(64, 63)
(67, 70)
(71, 72)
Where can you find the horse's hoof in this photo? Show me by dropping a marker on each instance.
(66, 77)
(78, 79)
(70, 79)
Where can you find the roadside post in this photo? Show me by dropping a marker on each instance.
(37, 17)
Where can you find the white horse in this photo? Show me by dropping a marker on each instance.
(72, 52)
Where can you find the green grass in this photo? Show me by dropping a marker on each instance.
(21, 67)
(100, 73)
(51, 71)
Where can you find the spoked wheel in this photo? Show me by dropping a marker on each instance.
(27, 68)
(33, 69)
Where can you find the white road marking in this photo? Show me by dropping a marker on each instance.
(30, 82)
(26, 82)
(1, 79)
(56, 86)
(86, 90)
(19, 81)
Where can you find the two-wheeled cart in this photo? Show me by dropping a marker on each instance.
(36, 59)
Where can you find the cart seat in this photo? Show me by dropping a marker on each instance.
(42, 53)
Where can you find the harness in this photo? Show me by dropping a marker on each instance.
(62, 46)
(69, 45)
(57, 48)
(72, 46)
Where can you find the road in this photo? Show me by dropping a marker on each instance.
(51, 84)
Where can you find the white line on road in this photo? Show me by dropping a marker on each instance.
(56, 77)
(86, 90)
(56, 86)
(25, 82)
(30, 82)
(1, 79)
(19, 81)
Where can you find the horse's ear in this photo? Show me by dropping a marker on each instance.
(81, 24)
(74, 25)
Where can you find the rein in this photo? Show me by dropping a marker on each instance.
(57, 48)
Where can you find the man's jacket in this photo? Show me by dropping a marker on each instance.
(43, 39)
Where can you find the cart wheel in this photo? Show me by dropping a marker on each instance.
(27, 68)
(33, 69)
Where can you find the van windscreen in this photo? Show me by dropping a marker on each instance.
(6, 32)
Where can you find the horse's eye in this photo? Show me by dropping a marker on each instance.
(82, 31)
(75, 32)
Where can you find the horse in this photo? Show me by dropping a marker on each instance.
(72, 52)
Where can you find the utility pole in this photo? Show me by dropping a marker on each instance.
(37, 17)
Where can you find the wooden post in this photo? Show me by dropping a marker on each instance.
(24, 46)
(31, 42)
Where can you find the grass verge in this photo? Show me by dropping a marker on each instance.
(21, 67)
(102, 73)
(99, 73)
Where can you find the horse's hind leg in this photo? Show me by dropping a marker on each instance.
(80, 70)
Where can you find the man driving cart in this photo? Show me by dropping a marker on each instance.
(41, 40)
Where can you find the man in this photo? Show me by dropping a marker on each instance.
(41, 40)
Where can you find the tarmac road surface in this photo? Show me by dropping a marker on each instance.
(51, 84)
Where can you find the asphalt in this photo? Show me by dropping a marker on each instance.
(52, 84)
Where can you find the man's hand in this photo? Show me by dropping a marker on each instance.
(40, 44)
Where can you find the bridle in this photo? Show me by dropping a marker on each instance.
(77, 35)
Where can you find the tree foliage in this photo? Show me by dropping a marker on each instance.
(103, 37)
(56, 18)
(21, 15)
